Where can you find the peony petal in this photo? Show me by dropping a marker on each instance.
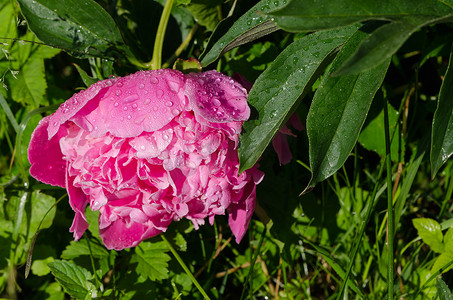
(78, 201)
(241, 213)
(216, 97)
(120, 235)
(281, 147)
(46, 159)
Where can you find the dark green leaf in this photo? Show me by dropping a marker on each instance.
(442, 132)
(275, 93)
(430, 232)
(87, 79)
(338, 111)
(80, 27)
(443, 291)
(378, 47)
(372, 136)
(205, 12)
(73, 279)
(249, 27)
(307, 15)
(151, 260)
(76, 249)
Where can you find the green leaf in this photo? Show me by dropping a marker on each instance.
(338, 111)
(430, 232)
(372, 136)
(276, 91)
(87, 79)
(379, 46)
(151, 260)
(249, 27)
(442, 261)
(448, 240)
(205, 12)
(76, 249)
(307, 15)
(40, 266)
(442, 132)
(80, 27)
(443, 291)
(72, 278)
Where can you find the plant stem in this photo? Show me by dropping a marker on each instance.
(184, 267)
(156, 62)
(391, 218)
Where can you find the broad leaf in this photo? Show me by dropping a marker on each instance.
(338, 111)
(151, 260)
(443, 262)
(80, 27)
(276, 91)
(443, 291)
(76, 249)
(430, 232)
(379, 46)
(205, 12)
(442, 131)
(307, 15)
(73, 279)
(249, 27)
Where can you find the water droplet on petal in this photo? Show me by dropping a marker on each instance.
(141, 86)
(125, 108)
(116, 104)
(108, 82)
(129, 117)
(169, 103)
(119, 84)
(118, 92)
(147, 101)
(154, 81)
(175, 112)
(134, 105)
(142, 147)
(131, 98)
(159, 93)
(165, 137)
(216, 102)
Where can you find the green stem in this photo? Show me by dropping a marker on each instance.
(447, 195)
(185, 268)
(391, 218)
(156, 62)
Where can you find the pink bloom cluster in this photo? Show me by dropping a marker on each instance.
(148, 149)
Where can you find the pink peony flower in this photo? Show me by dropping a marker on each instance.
(148, 149)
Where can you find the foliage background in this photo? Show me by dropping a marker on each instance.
(370, 81)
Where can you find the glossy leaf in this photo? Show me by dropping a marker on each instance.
(73, 279)
(379, 46)
(307, 15)
(249, 27)
(80, 27)
(205, 12)
(276, 91)
(442, 132)
(443, 291)
(430, 232)
(338, 111)
(151, 260)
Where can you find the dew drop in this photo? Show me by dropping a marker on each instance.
(216, 102)
(159, 93)
(175, 112)
(129, 117)
(154, 81)
(116, 104)
(131, 98)
(147, 101)
(165, 137)
(108, 82)
(141, 86)
(142, 147)
(118, 92)
(134, 105)
(169, 103)
(125, 108)
(65, 110)
(119, 84)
